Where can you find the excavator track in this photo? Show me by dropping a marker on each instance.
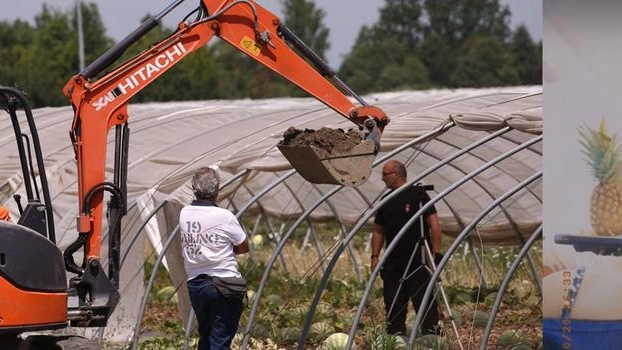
(47, 342)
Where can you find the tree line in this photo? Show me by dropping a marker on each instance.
(414, 45)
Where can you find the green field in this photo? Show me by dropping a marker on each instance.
(293, 281)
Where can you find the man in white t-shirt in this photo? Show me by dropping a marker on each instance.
(210, 239)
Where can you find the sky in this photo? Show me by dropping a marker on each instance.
(344, 18)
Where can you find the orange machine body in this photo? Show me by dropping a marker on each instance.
(100, 103)
(20, 309)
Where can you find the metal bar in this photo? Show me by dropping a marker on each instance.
(466, 231)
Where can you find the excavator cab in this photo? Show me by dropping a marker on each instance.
(33, 281)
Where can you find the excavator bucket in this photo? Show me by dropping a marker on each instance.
(329, 156)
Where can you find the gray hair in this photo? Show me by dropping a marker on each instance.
(205, 183)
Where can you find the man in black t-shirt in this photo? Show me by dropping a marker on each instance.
(405, 265)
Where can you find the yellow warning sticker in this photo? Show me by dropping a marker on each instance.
(250, 45)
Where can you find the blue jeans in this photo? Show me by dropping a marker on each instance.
(218, 316)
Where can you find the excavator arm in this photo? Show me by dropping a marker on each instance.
(101, 104)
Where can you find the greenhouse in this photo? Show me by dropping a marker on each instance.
(480, 150)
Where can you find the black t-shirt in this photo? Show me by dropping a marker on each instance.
(394, 214)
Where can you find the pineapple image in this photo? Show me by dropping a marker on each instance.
(602, 151)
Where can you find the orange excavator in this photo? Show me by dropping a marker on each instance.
(33, 270)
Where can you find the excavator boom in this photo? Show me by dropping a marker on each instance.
(100, 95)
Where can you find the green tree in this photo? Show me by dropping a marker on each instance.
(414, 45)
(173, 84)
(384, 56)
(189, 79)
(236, 75)
(457, 20)
(484, 61)
(527, 57)
(439, 58)
(407, 74)
(15, 38)
(450, 24)
(395, 68)
(239, 76)
(94, 33)
(438, 34)
(41, 59)
(357, 69)
(400, 20)
(45, 65)
(306, 21)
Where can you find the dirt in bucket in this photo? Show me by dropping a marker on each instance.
(332, 141)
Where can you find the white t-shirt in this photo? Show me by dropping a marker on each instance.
(208, 234)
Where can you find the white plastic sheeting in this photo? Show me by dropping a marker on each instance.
(170, 140)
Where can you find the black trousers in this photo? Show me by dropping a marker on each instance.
(411, 289)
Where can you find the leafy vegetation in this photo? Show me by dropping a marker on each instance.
(415, 44)
(292, 284)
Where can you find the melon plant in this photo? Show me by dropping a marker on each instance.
(257, 240)
(460, 298)
(480, 319)
(321, 330)
(490, 298)
(167, 294)
(288, 334)
(431, 342)
(259, 331)
(386, 341)
(275, 300)
(335, 341)
(345, 321)
(297, 313)
(325, 309)
(250, 294)
(237, 340)
(457, 317)
(355, 296)
(509, 339)
(521, 347)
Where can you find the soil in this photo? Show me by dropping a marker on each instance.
(162, 320)
(522, 321)
(331, 140)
